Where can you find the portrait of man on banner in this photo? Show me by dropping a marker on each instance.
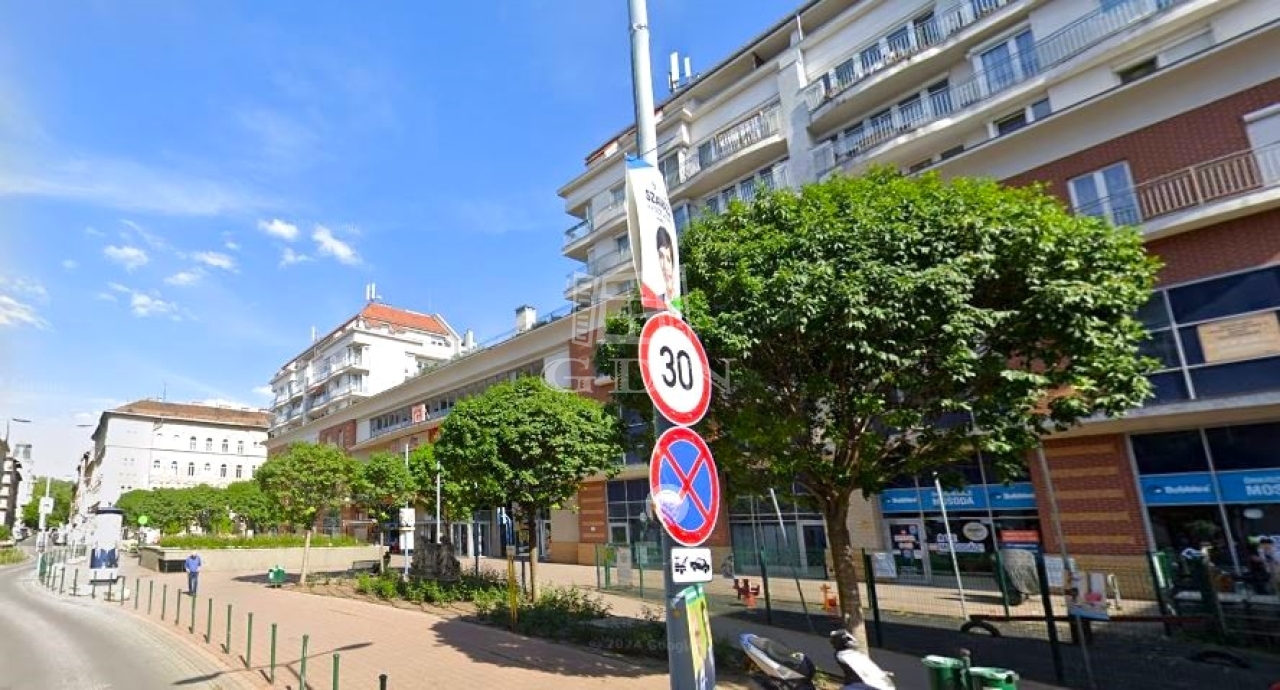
(652, 229)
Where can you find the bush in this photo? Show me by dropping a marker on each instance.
(11, 556)
(5, 533)
(264, 541)
(559, 613)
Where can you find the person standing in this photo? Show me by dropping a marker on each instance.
(192, 566)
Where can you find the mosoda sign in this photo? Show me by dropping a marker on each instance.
(1020, 496)
(1196, 488)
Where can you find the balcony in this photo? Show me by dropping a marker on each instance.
(894, 47)
(986, 85)
(599, 267)
(350, 361)
(1204, 193)
(347, 391)
(711, 152)
(576, 238)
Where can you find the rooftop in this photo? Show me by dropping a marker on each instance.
(195, 412)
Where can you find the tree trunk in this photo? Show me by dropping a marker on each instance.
(533, 553)
(845, 559)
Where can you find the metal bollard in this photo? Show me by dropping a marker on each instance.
(93, 587)
(75, 582)
(164, 602)
(62, 580)
(177, 607)
(248, 646)
(227, 648)
(137, 591)
(151, 591)
(302, 665)
(335, 672)
(192, 628)
(382, 681)
(208, 623)
(273, 653)
(124, 589)
(111, 589)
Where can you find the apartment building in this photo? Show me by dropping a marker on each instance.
(11, 476)
(1162, 114)
(151, 444)
(379, 347)
(409, 414)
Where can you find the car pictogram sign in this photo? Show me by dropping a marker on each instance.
(674, 367)
(684, 486)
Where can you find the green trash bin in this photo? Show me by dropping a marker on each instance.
(945, 673)
(275, 576)
(984, 678)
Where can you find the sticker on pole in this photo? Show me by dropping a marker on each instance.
(675, 369)
(690, 565)
(684, 486)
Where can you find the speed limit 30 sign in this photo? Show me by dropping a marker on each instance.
(675, 369)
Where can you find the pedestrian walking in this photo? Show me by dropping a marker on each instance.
(192, 566)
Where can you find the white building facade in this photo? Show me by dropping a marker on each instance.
(378, 348)
(151, 444)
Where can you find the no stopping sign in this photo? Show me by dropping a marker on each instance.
(675, 369)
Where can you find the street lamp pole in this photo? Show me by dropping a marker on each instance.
(406, 531)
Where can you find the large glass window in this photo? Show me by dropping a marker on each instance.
(1169, 453)
(1106, 193)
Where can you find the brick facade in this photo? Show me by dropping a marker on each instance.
(1097, 497)
(341, 435)
(1192, 137)
(1231, 246)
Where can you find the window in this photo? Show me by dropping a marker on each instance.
(239, 447)
(191, 469)
(226, 446)
(682, 217)
(940, 98)
(1169, 453)
(1010, 62)
(238, 469)
(208, 445)
(622, 243)
(917, 167)
(1024, 116)
(222, 471)
(173, 468)
(192, 445)
(670, 168)
(207, 467)
(1138, 71)
(156, 465)
(952, 152)
(251, 469)
(1106, 193)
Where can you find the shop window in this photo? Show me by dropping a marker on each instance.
(1160, 345)
(1237, 378)
(1246, 447)
(1168, 387)
(1234, 294)
(1169, 453)
(1154, 314)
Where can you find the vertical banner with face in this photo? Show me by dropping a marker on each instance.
(655, 250)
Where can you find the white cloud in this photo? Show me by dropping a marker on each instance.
(22, 286)
(127, 256)
(154, 241)
(216, 260)
(144, 304)
(328, 245)
(184, 278)
(105, 297)
(70, 264)
(290, 257)
(264, 391)
(126, 185)
(231, 246)
(16, 314)
(93, 232)
(279, 229)
(118, 287)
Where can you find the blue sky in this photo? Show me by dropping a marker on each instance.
(187, 188)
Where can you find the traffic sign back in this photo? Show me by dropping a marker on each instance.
(675, 370)
(684, 486)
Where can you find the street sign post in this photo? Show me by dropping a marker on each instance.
(684, 486)
(675, 369)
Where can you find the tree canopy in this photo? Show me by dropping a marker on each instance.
(383, 484)
(457, 498)
(60, 490)
(306, 479)
(872, 323)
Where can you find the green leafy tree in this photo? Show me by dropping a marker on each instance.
(307, 478)
(247, 502)
(457, 499)
(525, 443)
(60, 490)
(872, 323)
(383, 484)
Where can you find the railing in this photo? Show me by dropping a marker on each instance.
(346, 390)
(598, 267)
(853, 69)
(577, 232)
(1058, 47)
(755, 129)
(1232, 175)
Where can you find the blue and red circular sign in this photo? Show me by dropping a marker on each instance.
(684, 486)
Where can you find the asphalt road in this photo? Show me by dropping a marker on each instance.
(49, 642)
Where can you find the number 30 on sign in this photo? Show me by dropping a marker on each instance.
(675, 369)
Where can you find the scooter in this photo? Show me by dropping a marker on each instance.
(774, 666)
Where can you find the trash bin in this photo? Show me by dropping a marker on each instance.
(984, 678)
(945, 673)
(275, 576)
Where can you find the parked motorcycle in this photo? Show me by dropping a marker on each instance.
(774, 666)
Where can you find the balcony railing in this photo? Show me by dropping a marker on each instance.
(712, 150)
(1233, 175)
(599, 266)
(893, 47)
(1048, 52)
(577, 232)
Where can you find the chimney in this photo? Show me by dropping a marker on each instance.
(526, 316)
(468, 341)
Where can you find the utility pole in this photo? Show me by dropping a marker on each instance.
(406, 531)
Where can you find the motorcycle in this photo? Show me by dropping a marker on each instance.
(774, 666)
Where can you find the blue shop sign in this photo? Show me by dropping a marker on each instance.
(1250, 486)
(1019, 496)
(1190, 488)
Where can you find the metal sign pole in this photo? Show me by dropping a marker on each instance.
(951, 541)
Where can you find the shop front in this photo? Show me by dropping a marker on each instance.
(981, 519)
(1214, 488)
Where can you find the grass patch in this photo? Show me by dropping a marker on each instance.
(11, 556)
(264, 541)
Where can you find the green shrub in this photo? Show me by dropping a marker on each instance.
(5, 533)
(365, 583)
(262, 541)
(11, 556)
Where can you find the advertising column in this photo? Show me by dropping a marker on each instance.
(104, 545)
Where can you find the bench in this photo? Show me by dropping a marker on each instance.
(371, 566)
